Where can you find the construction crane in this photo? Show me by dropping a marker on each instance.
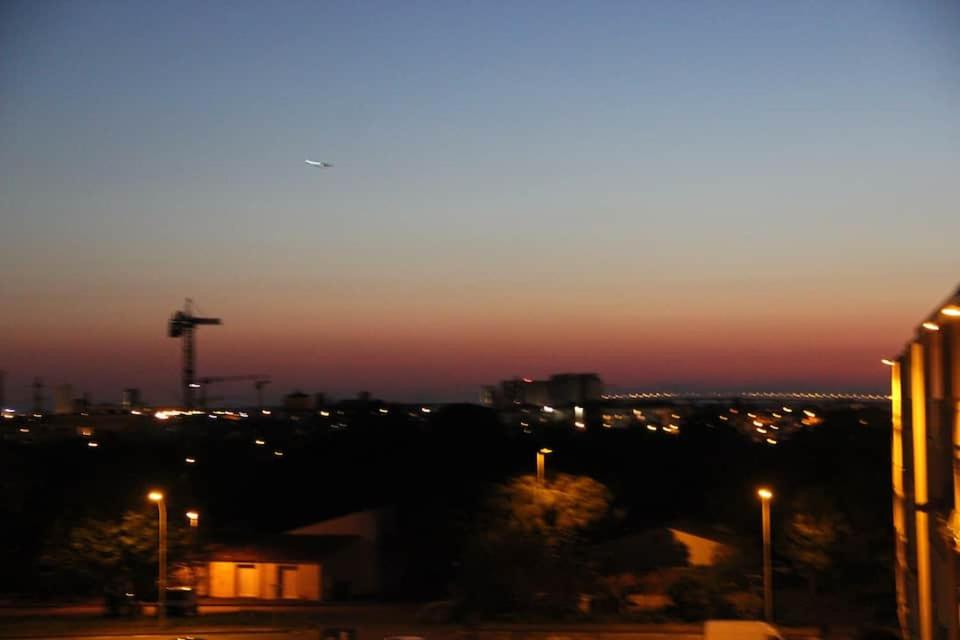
(259, 385)
(182, 325)
(259, 381)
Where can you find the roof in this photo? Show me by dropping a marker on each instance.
(943, 312)
(279, 548)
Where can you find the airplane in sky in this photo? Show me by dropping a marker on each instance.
(319, 165)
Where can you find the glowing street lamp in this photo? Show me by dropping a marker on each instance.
(888, 362)
(542, 463)
(765, 496)
(194, 519)
(158, 497)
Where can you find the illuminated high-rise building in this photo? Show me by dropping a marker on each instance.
(925, 396)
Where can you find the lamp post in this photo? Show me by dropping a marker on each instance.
(157, 496)
(542, 464)
(193, 516)
(765, 496)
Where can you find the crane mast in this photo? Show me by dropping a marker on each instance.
(183, 325)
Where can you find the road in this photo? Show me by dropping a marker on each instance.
(376, 632)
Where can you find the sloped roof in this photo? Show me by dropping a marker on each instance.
(278, 548)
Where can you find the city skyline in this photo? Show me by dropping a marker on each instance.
(743, 196)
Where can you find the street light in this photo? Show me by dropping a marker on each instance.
(194, 519)
(541, 463)
(157, 496)
(765, 496)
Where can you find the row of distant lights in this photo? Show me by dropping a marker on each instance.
(762, 428)
(793, 395)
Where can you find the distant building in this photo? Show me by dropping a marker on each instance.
(130, 399)
(64, 399)
(925, 397)
(297, 402)
(574, 388)
(562, 389)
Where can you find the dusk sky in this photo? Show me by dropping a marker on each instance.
(696, 195)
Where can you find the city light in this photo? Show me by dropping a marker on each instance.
(92, 444)
(278, 453)
(548, 409)
(259, 442)
(194, 518)
(189, 460)
(888, 362)
(155, 496)
(764, 493)
(425, 409)
(931, 326)
(952, 310)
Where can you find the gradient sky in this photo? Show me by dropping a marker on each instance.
(721, 195)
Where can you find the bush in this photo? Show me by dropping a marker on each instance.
(692, 598)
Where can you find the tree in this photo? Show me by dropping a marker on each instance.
(96, 552)
(813, 532)
(530, 550)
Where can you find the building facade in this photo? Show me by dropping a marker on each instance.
(561, 389)
(925, 397)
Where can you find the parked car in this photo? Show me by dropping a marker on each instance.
(739, 630)
(120, 602)
(181, 601)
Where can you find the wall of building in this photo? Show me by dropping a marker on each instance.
(925, 396)
(354, 568)
(222, 579)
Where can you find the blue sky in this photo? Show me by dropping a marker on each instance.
(549, 156)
